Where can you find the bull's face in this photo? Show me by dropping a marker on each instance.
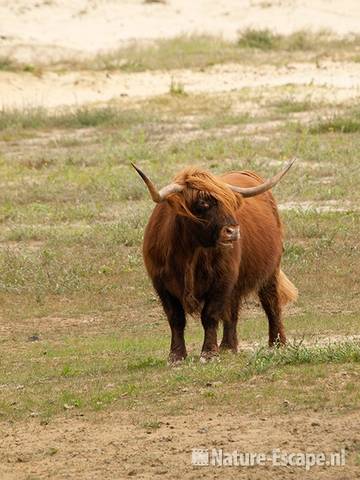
(211, 225)
(207, 205)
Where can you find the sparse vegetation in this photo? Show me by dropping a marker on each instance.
(302, 40)
(6, 63)
(349, 123)
(291, 105)
(176, 88)
(71, 228)
(82, 332)
(201, 51)
(36, 118)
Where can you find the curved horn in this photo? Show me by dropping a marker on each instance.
(270, 183)
(158, 196)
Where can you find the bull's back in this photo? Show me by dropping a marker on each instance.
(260, 231)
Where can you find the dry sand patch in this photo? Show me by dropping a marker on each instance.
(52, 90)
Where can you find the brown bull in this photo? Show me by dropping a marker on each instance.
(211, 241)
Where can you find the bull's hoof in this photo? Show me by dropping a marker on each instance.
(277, 342)
(176, 358)
(207, 357)
(226, 347)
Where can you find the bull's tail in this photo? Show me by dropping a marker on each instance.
(287, 290)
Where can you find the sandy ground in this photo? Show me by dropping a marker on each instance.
(111, 446)
(93, 25)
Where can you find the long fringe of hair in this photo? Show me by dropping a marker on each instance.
(199, 183)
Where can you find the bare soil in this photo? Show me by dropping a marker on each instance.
(111, 445)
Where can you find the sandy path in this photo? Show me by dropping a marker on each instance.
(53, 90)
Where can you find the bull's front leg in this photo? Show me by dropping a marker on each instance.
(230, 340)
(211, 314)
(177, 321)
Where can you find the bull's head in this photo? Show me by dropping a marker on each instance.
(207, 204)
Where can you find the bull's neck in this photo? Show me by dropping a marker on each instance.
(188, 250)
(184, 242)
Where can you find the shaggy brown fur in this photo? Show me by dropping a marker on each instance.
(192, 271)
(200, 183)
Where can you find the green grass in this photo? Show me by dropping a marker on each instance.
(224, 120)
(348, 123)
(179, 52)
(95, 373)
(72, 217)
(77, 207)
(6, 63)
(261, 39)
(176, 88)
(81, 117)
(297, 354)
(290, 105)
(202, 51)
(302, 40)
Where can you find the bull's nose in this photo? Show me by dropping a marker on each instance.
(230, 233)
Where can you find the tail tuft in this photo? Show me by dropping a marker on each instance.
(287, 290)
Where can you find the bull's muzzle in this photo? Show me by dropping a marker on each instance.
(228, 235)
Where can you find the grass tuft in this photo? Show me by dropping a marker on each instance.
(302, 40)
(338, 123)
(261, 39)
(177, 88)
(7, 64)
(298, 354)
(82, 117)
(291, 105)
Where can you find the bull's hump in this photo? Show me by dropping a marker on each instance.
(244, 178)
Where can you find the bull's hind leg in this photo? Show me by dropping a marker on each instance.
(270, 301)
(230, 340)
(177, 321)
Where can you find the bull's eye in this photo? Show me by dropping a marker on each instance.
(202, 205)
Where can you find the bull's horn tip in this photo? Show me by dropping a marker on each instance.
(138, 170)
